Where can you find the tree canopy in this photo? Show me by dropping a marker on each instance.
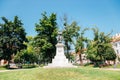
(100, 48)
(46, 36)
(12, 37)
(70, 34)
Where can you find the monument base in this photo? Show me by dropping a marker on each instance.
(53, 66)
(60, 60)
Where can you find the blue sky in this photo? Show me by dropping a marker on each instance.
(105, 14)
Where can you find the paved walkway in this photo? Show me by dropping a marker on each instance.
(4, 70)
(113, 69)
(12, 70)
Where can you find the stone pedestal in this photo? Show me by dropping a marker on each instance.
(60, 59)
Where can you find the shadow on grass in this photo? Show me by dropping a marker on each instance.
(29, 66)
(5, 67)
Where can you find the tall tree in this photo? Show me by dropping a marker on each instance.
(46, 37)
(80, 44)
(12, 37)
(70, 33)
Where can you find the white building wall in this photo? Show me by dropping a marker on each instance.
(116, 45)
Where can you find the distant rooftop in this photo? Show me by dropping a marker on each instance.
(116, 38)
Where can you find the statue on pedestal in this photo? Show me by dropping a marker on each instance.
(60, 59)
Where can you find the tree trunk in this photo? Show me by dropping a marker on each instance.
(108, 62)
(8, 66)
(80, 58)
(67, 46)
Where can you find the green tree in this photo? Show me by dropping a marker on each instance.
(12, 37)
(100, 49)
(46, 37)
(29, 54)
(80, 44)
(70, 33)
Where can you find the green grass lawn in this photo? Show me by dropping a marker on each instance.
(81, 73)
